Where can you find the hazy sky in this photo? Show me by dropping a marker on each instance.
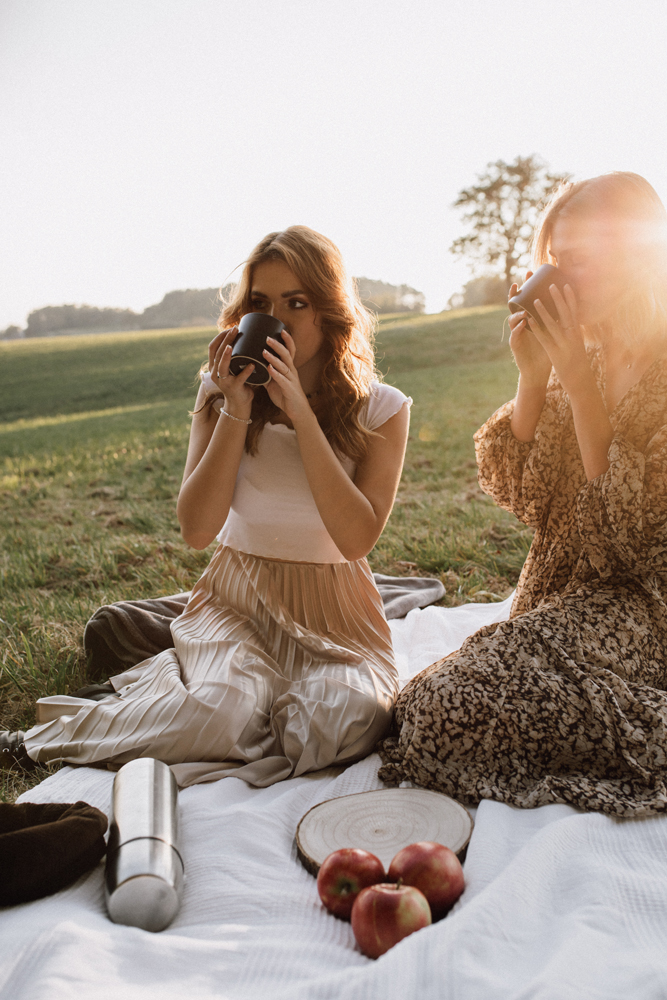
(148, 145)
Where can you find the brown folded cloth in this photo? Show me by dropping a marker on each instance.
(44, 847)
(120, 635)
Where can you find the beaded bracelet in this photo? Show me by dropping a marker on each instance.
(232, 417)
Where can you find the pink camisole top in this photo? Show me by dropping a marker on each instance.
(273, 513)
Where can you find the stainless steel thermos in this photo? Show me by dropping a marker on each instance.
(144, 872)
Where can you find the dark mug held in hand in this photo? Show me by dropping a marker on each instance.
(537, 287)
(248, 347)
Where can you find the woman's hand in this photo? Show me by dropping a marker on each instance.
(563, 342)
(531, 358)
(238, 395)
(284, 389)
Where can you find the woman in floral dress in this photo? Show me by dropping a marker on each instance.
(566, 701)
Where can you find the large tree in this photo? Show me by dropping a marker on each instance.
(501, 210)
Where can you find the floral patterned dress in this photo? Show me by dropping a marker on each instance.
(566, 701)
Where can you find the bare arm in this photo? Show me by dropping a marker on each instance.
(559, 345)
(214, 451)
(592, 426)
(214, 454)
(354, 513)
(528, 406)
(535, 367)
(563, 342)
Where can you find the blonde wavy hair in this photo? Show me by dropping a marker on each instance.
(347, 326)
(641, 313)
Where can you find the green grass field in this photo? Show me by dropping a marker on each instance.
(93, 436)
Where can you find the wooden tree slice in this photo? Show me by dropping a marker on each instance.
(381, 822)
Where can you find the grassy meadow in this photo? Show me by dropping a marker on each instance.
(93, 436)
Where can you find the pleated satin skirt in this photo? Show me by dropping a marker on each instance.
(278, 668)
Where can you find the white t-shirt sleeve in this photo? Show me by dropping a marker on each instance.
(384, 402)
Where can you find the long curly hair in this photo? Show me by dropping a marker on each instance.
(641, 312)
(347, 326)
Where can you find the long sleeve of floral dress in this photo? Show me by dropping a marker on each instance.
(522, 476)
(611, 528)
(622, 515)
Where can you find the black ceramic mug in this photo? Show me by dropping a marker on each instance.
(250, 344)
(537, 287)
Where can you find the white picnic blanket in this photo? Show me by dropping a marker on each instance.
(559, 904)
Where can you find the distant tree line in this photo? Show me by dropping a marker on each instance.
(55, 318)
(382, 297)
(187, 307)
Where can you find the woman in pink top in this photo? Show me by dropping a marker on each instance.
(282, 659)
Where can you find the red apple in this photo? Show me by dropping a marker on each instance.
(433, 869)
(384, 914)
(342, 877)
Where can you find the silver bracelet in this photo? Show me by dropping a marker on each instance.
(232, 417)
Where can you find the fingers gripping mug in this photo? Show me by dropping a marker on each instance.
(254, 328)
(537, 287)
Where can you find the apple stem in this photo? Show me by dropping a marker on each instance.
(399, 883)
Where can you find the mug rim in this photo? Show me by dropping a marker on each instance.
(254, 362)
(265, 316)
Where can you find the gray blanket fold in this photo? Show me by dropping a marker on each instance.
(122, 634)
(401, 594)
